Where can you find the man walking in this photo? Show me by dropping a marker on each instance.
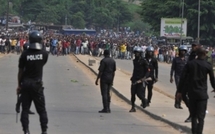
(106, 75)
(196, 72)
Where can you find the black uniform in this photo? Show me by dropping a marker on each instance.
(153, 68)
(107, 70)
(177, 67)
(196, 72)
(32, 61)
(185, 97)
(139, 72)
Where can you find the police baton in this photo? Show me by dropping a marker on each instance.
(17, 107)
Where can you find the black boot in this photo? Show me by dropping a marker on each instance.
(178, 105)
(44, 132)
(26, 131)
(105, 107)
(188, 119)
(30, 112)
(104, 111)
(108, 108)
(144, 103)
(132, 109)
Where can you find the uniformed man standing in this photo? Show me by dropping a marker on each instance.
(138, 78)
(25, 47)
(196, 72)
(178, 64)
(153, 68)
(106, 75)
(30, 83)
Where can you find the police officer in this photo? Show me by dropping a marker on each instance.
(25, 47)
(153, 68)
(196, 72)
(30, 83)
(185, 98)
(140, 73)
(178, 64)
(106, 75)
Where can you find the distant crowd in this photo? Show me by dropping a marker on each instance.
(120, 48)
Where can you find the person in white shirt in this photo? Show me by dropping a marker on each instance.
(0, 45)
(3, 46)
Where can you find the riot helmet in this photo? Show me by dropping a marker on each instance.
(182, 50)
(35, 40)
(35, 37)
(150, 51)
(138, 51)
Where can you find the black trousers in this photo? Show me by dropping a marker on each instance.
(198, 110)
(33, 92)
(105, 92)
(138, 90)
(149, 89)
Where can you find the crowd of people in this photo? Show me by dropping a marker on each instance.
(120, 48)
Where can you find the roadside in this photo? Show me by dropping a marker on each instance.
(2, 55)
(162, 105)
(116, 100)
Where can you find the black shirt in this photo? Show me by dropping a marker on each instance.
(32, 62)
(107, 68)
(153, 66)
(140, 69)
(177, 66)
(196, 72)
(192, 56)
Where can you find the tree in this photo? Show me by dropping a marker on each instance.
(78, 20)
(80, 13)
(168, 9)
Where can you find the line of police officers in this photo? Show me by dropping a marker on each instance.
(145, 67)
(145, 74)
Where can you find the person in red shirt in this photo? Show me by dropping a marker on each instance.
(22, 44)
(78, 45)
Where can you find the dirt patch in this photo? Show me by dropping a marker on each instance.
(119, 102)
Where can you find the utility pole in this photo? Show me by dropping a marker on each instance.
(66, 20)
(198, 34)
(7, 18)
(182, 21)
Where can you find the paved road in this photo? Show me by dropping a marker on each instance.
(72, 103)
(163, 80)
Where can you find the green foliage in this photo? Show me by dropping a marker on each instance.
(153, 10)
(80, 13)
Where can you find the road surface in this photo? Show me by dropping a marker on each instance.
(72, 102)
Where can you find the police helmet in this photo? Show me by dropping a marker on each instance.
(138, 49)
(183, 48)
(35, 37)
(150, 49)
(35, 40)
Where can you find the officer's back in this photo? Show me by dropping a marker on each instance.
(34, 61)
(30, 82)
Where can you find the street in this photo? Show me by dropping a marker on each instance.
(72, 101)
